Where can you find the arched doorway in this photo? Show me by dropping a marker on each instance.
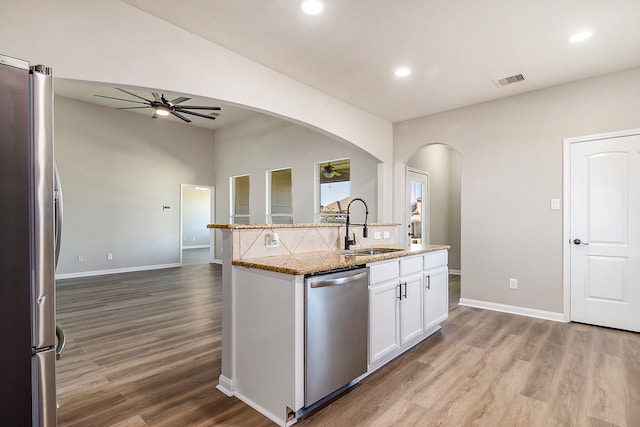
(441, 209)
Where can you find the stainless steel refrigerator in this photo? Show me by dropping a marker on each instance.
(29, 242)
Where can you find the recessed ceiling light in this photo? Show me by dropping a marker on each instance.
(578, 37)
(402, 72)
(312, 7)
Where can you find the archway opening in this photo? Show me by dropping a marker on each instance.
(441, 211)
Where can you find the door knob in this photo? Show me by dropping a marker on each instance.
(579, 242)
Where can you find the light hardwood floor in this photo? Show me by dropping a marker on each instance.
(144, 350)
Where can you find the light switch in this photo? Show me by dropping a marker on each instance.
(555, 204)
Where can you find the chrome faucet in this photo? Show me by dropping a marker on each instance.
(365, 230)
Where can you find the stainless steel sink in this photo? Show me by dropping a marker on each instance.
(369, 251)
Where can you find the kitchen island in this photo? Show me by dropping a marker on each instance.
(263, 344)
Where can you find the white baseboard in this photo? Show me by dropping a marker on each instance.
(216, 261)
(196, 247)
(225, 385)
(265, 412)
(513, 309)
(455, 272)
(115, 271)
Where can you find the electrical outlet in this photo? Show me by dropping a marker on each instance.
(377, 235)
(80, 258)
(272, 240)
(109, 257)
(513, 283)
(387, 234)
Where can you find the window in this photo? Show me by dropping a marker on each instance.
(279, 200)
(335, 189)
(239, 199)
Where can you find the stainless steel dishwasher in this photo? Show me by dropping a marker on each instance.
(336, 330)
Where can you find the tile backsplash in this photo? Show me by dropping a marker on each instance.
(251, 243)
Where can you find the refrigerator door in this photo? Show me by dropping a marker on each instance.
(44, 389)
(43, 297)
(15, 231)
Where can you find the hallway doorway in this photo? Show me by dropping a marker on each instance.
(197, 209)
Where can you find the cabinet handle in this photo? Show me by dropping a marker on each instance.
(399, 287)
(429, 281)
(405, 290)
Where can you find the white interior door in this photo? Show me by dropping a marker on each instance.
(605, 232)
(417, 203)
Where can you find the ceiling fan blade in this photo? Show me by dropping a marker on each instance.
(179, 100)
(132, 108)
(180, 116)
(156, 96)
(197, 114)
(119, 99)
(132, 94)
(336, 173)
(196, 107)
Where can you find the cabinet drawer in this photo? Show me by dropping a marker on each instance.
(382, 272)
(410, 265)
(435, 259)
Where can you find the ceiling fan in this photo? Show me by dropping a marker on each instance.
(329, 171)
(163, 107)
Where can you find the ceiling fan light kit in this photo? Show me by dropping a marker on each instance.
(162, 111)
(312, 7)
(163, 107)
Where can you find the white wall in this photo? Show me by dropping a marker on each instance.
(265, 143)
(196, 214)
(118, 169)
(511, 167)
(111, 42)
(442, 163)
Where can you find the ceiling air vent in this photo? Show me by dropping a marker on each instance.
(509, 80)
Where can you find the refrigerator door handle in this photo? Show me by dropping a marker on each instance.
(42, 201)
(58, 211)
(62, 341)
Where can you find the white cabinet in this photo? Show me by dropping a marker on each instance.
(407, 297)
(384, 318)
(436, 296)
(384, 309)
(395, 305)
(410, 298)
(436, 289)
(410, 307)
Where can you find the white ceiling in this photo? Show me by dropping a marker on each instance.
(456, 48)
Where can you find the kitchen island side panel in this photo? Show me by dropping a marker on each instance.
(269, 341)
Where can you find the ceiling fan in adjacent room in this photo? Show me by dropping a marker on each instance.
(162, 107)
(330, 171)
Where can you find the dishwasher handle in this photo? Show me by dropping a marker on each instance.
(339, 281)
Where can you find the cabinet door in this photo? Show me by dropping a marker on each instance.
(436, 296)
(384, 331)
(411, 307)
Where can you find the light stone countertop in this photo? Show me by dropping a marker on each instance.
(321, 261)
(309, 225)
